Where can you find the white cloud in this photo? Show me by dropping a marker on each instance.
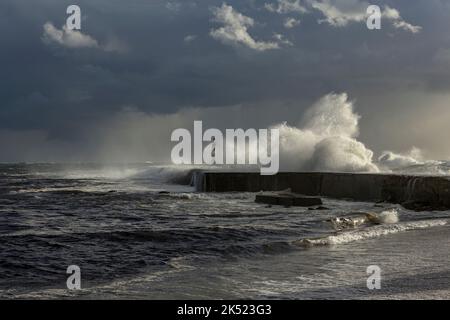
(281, 39)
(391, 13)
(76, 39)
(68, 38)
(339, 13)
(407, 26)
(189, 38)
(291, 22)
(397, 20)
(234, 30)
(286, 6)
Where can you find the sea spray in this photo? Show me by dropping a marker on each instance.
(325, 139)
(388, 217)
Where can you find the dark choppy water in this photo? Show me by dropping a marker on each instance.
(133, 241)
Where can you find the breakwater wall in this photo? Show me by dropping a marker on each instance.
(414, 192)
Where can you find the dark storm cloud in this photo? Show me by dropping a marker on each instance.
(159, 57)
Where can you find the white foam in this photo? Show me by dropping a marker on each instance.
(392, 160)
(325, 140)
(388, 217)
(372, 232)
(104, 173)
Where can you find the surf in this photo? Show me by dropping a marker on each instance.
(369, 233)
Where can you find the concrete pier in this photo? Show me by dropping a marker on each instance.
(287, 199)
(414, 192)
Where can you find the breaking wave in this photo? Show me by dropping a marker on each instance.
(370, 232)
(388, 217)
(326, 140)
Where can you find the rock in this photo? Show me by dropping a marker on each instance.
(287, 199)
(422, 206)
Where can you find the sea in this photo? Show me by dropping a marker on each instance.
(142, 231)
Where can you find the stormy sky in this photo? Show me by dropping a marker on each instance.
(139, 68)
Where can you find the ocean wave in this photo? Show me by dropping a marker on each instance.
(370, 232)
